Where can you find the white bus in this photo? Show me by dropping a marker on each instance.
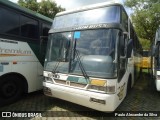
(22, 52)
(93, 56)
(155, 60)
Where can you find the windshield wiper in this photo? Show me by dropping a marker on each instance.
(56, 66)
(81, 65)
(76, 54)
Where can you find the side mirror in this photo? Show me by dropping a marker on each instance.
(125, 35)
(123, 44)
(122, 48)
(43, 38)
(129, 48)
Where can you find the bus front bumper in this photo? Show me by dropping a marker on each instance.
(94, 100)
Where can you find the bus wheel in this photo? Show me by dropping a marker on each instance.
(10, 89)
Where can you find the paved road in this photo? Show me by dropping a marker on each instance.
(141, 98)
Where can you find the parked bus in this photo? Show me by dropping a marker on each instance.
(155, 60)
(146, 64)
(22, 51)
(93, 56)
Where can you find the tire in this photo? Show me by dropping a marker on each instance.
(10, 89)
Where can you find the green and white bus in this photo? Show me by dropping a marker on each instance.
(93, 56)
(22, 50)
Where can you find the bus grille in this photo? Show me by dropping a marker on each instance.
(69, 83)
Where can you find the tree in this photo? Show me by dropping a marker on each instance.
(146, 17)
(146, 43)
(46, 7)
(49, 8)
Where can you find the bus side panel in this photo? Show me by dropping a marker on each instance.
(29, 71)
(39, 80)
(18, 57)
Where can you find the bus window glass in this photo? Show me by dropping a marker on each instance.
(96, 49)
(58, 51)
(145, 53)
(96, 16)
(57, 46)
(29, 27)
(9, 22)
(125, 20)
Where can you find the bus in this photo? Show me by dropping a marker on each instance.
(146, 60)
(155, 60)
(23, 41)
(93, 56)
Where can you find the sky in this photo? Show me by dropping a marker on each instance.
(71, 4)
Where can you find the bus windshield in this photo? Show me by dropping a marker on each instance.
(95, 48)
(145, 53)
(110, 14)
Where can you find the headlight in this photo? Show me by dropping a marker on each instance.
(102, 86)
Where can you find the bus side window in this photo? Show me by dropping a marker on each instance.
(29, 27)
(9, 22)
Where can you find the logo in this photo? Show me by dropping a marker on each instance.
(21, 114)
(6, 114)
(14, 52)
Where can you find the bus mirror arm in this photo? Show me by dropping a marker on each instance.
(129, 48)
(42, 37)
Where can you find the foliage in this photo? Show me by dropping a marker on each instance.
(146, 17)
(145, 43)
(46, 7)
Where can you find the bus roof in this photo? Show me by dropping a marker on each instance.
(25, 10)
(111, 2)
